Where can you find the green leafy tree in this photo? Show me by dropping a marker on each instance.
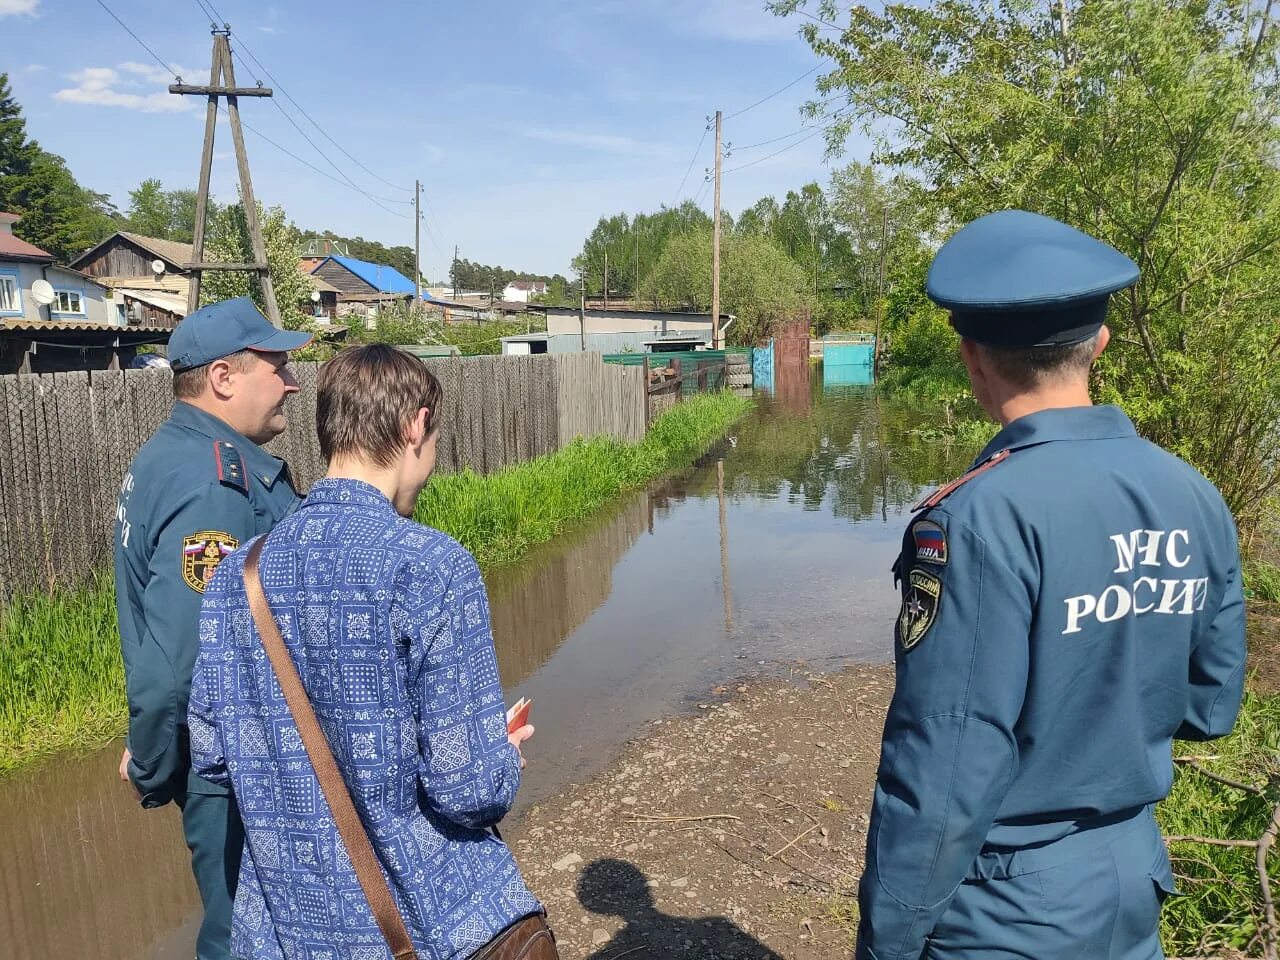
(633, 245)
(166, 214)
(759, 283)
(1151, 125)
(57, 213)
(228, 242)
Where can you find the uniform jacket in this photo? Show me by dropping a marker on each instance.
(388, 623)
(1067, 613)
(196, 491)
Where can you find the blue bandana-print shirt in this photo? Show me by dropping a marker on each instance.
(388, 622)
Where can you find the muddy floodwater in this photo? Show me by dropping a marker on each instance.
(774, 549)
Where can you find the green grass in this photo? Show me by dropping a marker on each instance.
(1221, 902)
(499, 517)
(61, 678)
(1261, 580)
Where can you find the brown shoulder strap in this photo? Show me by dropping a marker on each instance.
(942, 493)
(354, 836)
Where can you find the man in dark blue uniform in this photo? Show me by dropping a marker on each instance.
(1070, 606)
(200, 487)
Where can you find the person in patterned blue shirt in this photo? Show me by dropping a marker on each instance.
(388, 623)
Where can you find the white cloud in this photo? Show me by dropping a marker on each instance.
(34, 68)
(606, 143)
(9, 8)
(112, 87)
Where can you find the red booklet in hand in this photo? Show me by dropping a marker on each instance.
(518, 715)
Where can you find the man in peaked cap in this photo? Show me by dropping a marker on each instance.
(200, 487)
(1069, 606)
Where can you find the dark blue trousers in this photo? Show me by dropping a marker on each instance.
(215, 836)
(1098, 899)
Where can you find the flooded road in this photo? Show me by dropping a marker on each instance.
(775, 548)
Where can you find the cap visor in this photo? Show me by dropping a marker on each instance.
(282, 341)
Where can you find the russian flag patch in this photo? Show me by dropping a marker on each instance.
(931, 542)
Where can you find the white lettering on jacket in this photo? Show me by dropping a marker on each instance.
(1146, 594)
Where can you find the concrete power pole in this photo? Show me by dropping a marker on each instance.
(715, 251)
(417, 243)
(222, 83)
(606, 280)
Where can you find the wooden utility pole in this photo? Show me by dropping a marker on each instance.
(582, 306)
(222, 83)
(417, 242)
(606, 280)
(453, 271)
(715, 251)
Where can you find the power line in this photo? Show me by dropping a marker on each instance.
(782, 89)
(794, 133)
(310, 166)
(775, 153)
(155, 56)
(692, 161)
(279, 86)
(329, 160)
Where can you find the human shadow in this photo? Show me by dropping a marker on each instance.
(618, 888)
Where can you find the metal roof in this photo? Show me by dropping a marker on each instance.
(16, 247)
(58, 326)
(168, 302)
(381, 277)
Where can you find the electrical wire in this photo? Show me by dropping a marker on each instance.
(376, 201)
(775, 153)
(279, 86)
(821, 63)
(692, 161)
(258, 133)
(794, 133)
(155, 56)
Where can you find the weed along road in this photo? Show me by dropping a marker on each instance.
(770, 556)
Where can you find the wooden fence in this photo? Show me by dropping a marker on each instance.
(67, 439)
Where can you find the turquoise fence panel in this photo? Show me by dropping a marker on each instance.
(762, 367)
(848, 354)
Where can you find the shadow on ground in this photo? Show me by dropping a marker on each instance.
(618, 888)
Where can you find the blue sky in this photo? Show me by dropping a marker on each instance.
(526, 121)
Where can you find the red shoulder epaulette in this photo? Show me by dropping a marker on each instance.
(935, 498)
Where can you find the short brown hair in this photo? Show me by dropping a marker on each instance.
(366, 398)
(189, 384)
(1029, 367)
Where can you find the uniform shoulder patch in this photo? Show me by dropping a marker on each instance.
(230, 465)
(201, 554)
(931, 542)
(919, 608)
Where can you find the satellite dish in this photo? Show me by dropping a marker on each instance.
(42, 291)
(157, 267)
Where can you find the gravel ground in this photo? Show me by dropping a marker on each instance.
(736, 833)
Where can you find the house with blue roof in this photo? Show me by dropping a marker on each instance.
(361, 283)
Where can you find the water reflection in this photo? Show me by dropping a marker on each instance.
(535, 605)
(87, 872)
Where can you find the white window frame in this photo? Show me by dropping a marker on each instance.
(68, 292)
(16, 282)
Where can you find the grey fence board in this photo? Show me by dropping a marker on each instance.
(68, 438)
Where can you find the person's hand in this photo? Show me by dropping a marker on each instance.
(519, 737)
(124, 764)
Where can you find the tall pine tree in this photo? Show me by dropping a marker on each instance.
(57, 213)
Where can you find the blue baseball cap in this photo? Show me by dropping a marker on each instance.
(227, 327)
(1017, 279)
